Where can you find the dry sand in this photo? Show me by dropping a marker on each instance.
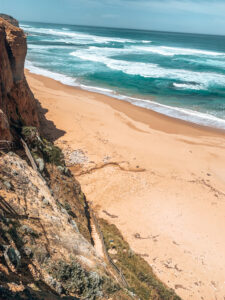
(160, 180)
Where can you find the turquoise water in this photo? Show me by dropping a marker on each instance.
(181, 75)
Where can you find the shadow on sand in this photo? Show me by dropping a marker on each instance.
(47, 127)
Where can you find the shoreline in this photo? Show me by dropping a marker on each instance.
(182, 113)
(142, 114)
(160, 180)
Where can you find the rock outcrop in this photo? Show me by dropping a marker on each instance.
(17, 103)
(10, 19)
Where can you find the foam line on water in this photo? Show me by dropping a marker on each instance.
(149, 70)
(185, 86)
(79, 36)
(172, 51)
(182, 113)
(67, 80)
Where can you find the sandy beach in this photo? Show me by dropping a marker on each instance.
(160, 180)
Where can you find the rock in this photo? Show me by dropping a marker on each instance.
(74, 225)
(64, 211)
(15, 173)
(55, 285)
(10, 19)
(8, 185)
(61, 169)
(17, 103)
(26, 229)
(13, 256)
(5, 130)
(112, 251)
(28, 251)
(40, 164)
(64, 170)
(67, 172)
(45, 201)
(41, 254)
(58, 287)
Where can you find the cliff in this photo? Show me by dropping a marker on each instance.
(10, 19)
(48, 232)
(17, 103)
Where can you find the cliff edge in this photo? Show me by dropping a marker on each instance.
(10, 19)
(17, 103)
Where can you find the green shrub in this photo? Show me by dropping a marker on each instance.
(75, 279)
(41, 148)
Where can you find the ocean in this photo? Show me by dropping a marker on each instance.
(176, 74)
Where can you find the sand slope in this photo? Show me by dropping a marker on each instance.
(161, 181)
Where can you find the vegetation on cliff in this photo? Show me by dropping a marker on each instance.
(139, 275)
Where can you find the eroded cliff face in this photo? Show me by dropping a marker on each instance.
(17, 103)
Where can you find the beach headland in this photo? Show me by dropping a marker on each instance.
(160, 180)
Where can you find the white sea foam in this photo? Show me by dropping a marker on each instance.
(172, 51)
(45, 47)
(215, 63)
(149, 70)
(24, 26)
(107, 51)
(186, 86)
(67, 80)
(79, 36)
(180, 113)
(97, 89)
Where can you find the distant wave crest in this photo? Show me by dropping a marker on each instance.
(198, 80)
(172, 51)
(78, 36)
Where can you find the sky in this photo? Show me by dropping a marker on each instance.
(195, 16)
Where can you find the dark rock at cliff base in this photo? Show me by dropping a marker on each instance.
(10, 19)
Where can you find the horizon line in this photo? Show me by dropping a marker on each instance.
(124, 28)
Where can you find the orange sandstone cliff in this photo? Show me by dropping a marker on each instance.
(17, 103)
